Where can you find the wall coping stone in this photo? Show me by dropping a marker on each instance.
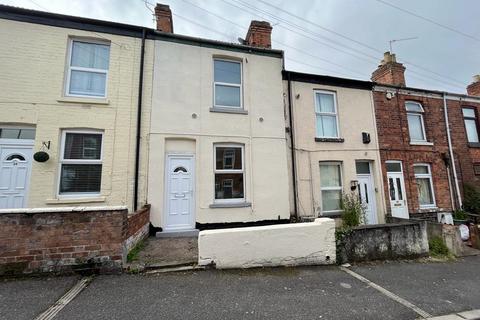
(61, 209)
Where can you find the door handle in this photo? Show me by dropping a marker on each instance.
(180, 195)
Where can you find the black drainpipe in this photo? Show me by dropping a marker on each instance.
(139, 122)
(292, 142)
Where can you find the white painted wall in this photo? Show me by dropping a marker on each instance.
(181, 122)
(311, 243)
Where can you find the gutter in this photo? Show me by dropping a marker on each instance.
(450, 149)
(139, 122)
(292, 141)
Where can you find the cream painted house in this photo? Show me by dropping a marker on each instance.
(69, 88)
(335, 145)
(217, 135)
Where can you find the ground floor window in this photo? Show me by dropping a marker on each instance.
(229, 173)
(331, 187)
(81, 163)
(423, 177)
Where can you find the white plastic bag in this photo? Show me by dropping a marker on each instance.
(464, 232)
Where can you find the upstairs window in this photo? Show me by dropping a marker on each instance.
(229, 173)
(88, 69)
(227, 85)
(416, 126)
(326, 114)
(470, 119)
(81, 163)
(423, 177)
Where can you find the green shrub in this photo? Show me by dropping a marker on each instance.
(353, 210)
(471, 201)
(460, 214)
(438, 247)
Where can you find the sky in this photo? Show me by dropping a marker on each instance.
(344, 38)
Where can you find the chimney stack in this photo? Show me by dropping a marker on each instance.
(259, 34)
(390, 71)
(163, 14)
(473, 89)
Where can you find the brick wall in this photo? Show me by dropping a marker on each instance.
(394, 143)
(64, 240)
(466, 155)
(138, 227)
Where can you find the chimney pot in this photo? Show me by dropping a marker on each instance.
(390, 71)
(163, 15)
(259, 34)
(473, 89)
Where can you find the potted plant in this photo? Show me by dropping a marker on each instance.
(459, 217)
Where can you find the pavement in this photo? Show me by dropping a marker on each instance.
(393, 290)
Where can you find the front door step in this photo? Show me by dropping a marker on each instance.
(177, 234)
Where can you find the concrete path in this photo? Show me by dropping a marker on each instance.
(435, 289)
(168, 251)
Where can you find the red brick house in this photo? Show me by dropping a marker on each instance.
(420, 178)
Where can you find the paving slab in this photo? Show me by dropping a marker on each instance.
(279, 293)
(26, 298)
(168, 251)
(437, 288)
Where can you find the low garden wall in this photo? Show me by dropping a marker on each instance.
(404, 240)
(65, 240)
(311, 243)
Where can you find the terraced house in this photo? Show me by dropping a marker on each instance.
(333, 146)
(428, 143)
(68, 110)
(217, 151)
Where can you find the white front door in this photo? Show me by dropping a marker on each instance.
(396, 190)
(15, 167)
(179, 213)
(366, 191)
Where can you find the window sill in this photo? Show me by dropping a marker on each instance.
(75, 200)
(421, 143)
(428, 208)
(80, 100)
(335, 214)
(231, 205)
(339, 140)
(229, 110)
(474, 145)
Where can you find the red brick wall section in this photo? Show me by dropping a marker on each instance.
(466, 155)
(395, 144)
(62, 241)
(138, 220)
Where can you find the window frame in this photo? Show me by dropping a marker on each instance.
(430, 178)
(62, 161)
(227, 84)
(319, 114)
(340, 165)
(235, 171)
(422, 121)
(475, 170)
(475, 120)
(93, 70)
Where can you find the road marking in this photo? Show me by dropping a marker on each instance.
(389, 294)
(54, 309)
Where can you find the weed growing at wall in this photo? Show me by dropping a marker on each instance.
(353, 210)
(438, 248)
(133, 254)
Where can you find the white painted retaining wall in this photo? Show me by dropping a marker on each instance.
(311, 243)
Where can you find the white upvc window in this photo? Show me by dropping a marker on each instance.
(423, 178)
(80, 163)
(331, 187)
(326, 114)
(470, 120)
(229, 171)
(227, 84)
(88, 64)
(416, 126)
